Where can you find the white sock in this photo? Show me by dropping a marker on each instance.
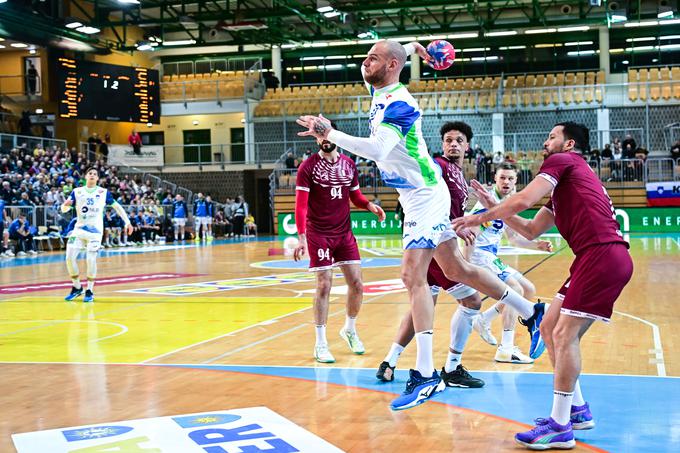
(508, 338)
(91, 269)
(578, 396)
(321, 335)
(393, 355)
(561, 409)
(492, 313)
(519, 303)
(461, 327)
(350, 324)
(76, 282)
(90, 284)
(424, 362)
(452, 361)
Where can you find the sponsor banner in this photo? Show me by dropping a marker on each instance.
(250, 429)
(639, 220)
(189, 289)
(663, 193)
(363, 222)
(150, 156)
(122, 279)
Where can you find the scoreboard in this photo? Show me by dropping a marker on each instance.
(98, 91)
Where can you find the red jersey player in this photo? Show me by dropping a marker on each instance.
(326, 182)
(584, 215)
(456, 138)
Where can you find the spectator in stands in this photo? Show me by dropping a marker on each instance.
(104, 147)
(26, 201)
(31, 79)
(639, 164)
(487, 165)
(524, 164)
(93, 142)
(615, 164)
(675, 150)
(20, 230)
(240, 212)
(628, 140)
(135, 140)
(290, 161)
(6, 193)
(607, 151)
(25, 124)
(210, 207)
(5, 252)
(306, 155)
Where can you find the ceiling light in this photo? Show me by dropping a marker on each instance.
(1, 46)
(501, 33)
(617, 18)
(670, 37)
(536, 31)
(288, 46)
(669, 47)
(579, 43)
(668, 13)
(88, 30)
(625, 62)
(19, 45)
(669, 22)
(647, 23)
(129, 2)
(463, 35)
(512, 47)
(149, 124)
(578, 53)
(646, 38)
(38, 111)
(568, 29)
(325, 9)
(548, 45)
(430, 37)
(143, 46)
(181, 42)
(476, 49)
(195, 122)
(405, 39)
(332, 14)
(74, 24)
(31, 51)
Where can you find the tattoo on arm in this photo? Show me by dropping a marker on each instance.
(321, 127)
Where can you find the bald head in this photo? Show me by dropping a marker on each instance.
(396, 51)
(384, 63)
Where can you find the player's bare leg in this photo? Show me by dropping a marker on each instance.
(456, 268)
(355, 294)
(414, 275)
(324, 282)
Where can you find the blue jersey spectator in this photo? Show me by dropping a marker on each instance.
(200, 207)
(179, 208)
(20, 231)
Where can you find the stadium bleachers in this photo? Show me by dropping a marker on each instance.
(216, 85)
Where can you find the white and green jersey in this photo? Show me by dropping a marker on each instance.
(489, 238)
(408, 165)
(90, 206)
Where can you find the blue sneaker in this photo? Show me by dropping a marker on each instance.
(75, 292)
(547, 434)
(418, 390)
(532, 324)
(89, 296)
(581, 417)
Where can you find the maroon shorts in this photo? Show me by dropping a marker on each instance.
(596, 278)
(327, 251)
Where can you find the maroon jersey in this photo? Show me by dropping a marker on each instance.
(328, 185)
(584, 213)
(458, 188)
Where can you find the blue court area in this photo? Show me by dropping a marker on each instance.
(633, 413)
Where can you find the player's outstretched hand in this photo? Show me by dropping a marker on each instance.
(467, 235)
(546, 246)
(422, 52)
(317, 126)
(467, 221)
(301, 250)
(129, 229)
(485, 198)
(377, 210)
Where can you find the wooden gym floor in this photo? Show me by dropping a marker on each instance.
(181, 329)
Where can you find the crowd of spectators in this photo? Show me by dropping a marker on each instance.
(34, 178)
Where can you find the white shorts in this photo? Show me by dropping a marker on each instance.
(489, 261)
(426, 217)
(179, 221)
(201, 221)
(84, 240)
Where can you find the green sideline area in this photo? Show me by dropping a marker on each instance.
(634, 220)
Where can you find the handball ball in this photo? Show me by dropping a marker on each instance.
(443, 54)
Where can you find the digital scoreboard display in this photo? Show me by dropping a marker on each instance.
(98, 91)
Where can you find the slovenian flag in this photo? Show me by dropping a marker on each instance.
(663, 193)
